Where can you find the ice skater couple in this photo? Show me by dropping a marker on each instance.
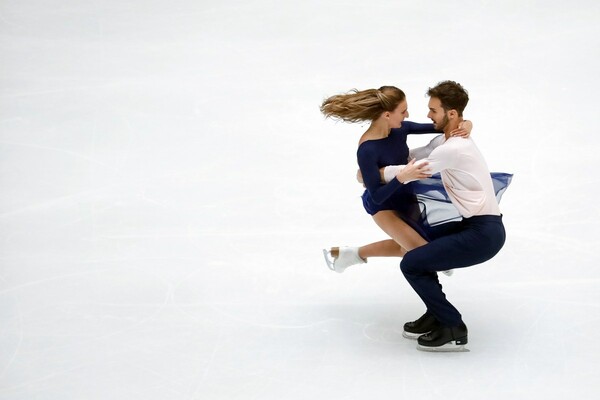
(397, 199)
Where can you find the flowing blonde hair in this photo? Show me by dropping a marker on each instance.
(364, 105)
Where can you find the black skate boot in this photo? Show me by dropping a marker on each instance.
(445, 338)
(425, 324)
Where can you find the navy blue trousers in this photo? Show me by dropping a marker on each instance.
(452, 245)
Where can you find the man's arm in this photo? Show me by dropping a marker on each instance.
(439, 159)
(420, 153)
(391, 171)
(405, 173)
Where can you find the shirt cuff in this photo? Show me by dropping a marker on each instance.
(391, 171)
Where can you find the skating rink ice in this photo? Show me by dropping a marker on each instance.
(167, 184)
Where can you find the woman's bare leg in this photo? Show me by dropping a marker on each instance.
(404, 238)
(383, 248)
(398, 230)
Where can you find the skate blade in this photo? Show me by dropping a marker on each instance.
(328, 261)
(445, 348)
(413, 336)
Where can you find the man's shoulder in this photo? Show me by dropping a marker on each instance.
(450, 147)
(459, 143)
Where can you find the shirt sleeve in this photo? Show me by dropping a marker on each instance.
(420, 153)
(423, 152)
(369, 168)
(443, 157)
(391, 171)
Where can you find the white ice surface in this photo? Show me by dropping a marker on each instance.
(167, 183)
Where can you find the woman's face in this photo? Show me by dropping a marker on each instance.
(397, 116)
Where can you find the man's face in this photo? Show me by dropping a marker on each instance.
(437, 114)
(398, 115)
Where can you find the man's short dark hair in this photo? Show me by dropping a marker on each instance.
(452, 95)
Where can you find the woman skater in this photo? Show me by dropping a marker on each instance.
(392, 205)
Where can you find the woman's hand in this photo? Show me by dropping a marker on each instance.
(463, 130)
(413, 172)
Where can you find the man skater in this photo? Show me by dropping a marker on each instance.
(476, 238)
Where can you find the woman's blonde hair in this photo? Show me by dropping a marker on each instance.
(364, 105)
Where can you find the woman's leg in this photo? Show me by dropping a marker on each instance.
(383, 248)
(404, 238)
(340, 258)
(402, 233)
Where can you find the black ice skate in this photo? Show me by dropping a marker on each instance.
(425, 324)
(444, 339)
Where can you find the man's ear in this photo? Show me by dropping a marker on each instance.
(452, 114)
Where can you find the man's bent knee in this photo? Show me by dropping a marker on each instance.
(409, 264)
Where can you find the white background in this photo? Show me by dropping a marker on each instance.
(167, 183)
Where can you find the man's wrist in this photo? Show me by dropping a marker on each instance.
(391, 171)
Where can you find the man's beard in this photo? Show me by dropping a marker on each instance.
(442, 125)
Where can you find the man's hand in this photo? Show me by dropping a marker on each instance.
(413, 172)
(359, 177)
(463, 130)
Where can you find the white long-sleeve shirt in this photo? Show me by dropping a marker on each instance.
(464, 173)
